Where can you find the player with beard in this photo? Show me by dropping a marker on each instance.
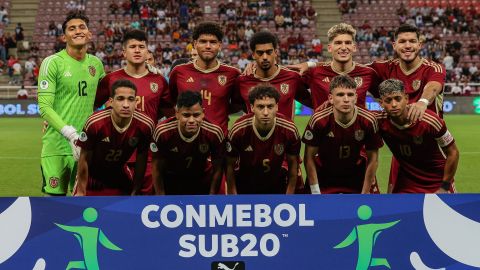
(153, 96)
(425, 149)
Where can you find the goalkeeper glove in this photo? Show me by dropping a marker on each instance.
(70, 133)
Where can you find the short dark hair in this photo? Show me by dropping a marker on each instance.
(208, 28)
(75, 15)
(261, 91)
(390, 86)
(342, 81)
(122, 83)
(406, 28)
(134, 34)
(263, 37)
(189, 98)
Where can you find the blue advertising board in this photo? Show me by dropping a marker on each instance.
(241, 232)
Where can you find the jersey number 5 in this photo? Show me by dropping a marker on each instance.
(82, 86)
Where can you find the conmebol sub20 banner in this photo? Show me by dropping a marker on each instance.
(241, 232)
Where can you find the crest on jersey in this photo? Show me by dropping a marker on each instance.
(92, 70)
(308, 135)
(359, 134)
(203, 148)
(228, 146)
(416, 84)
(417, 139)
(83, 137)
(284, 88)
(358, 81)
(153, 147)
(222, 80)
(53, 182)
(154, 87)
(278, 148)
(133, 141)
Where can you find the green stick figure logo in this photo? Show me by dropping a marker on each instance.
(88, 238)
(366, 235)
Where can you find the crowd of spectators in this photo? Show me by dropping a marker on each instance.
(450, 36)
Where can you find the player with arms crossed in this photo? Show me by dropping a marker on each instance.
(188, 150)
(261, 142)
(425, 149)
(153, 96)
(346, 139)
(66, 91)
(108, 140)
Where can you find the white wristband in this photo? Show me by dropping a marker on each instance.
(425, 101)
(315, 189)
(311, 64)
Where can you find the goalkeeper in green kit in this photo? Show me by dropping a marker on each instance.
(67, 84)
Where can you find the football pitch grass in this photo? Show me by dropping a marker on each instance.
(20, 145)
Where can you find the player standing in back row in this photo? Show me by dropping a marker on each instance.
(153, 96)
(66, 91)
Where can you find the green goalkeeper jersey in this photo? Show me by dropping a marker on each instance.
(66, 92)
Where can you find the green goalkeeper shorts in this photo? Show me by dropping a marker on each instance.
(58, 174)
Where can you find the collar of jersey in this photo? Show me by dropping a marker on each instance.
(269, 133)
(344, 72)
(191, 139)
(119, 129)
(206, 70)
(355, 113)
(269, 78)
(137, 76)
(408, 72)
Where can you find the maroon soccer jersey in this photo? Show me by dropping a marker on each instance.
(152, 92)
(414, 80)
(341, 148)
(188, 160)
(216, 86)
(418, 151)
(289, 84)
(319, 78)
(112, 148)
(262, 158)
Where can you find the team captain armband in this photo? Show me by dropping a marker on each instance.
(445, 140)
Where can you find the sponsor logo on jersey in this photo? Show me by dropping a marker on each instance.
(359, 134)
(284, 88)
(278, 148)
(153, 147)
(92, 70)
(222, 80)
(106, 139)
(228, 265)
(154, 87)
(83, 137)
(44, 84)
(417, 139)
(190, 80)
(67, 74)
(53, 182)
(174, 149)
(133, 141)
(327, 80)
(203, 148)
(249, 149)
(416, 84)
(308, 135)
(330, 134)
(229, 147)
(358, 81)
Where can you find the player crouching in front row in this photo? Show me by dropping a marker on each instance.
(108, 140)
(425, 149)
(261, 142)
(188, 151)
